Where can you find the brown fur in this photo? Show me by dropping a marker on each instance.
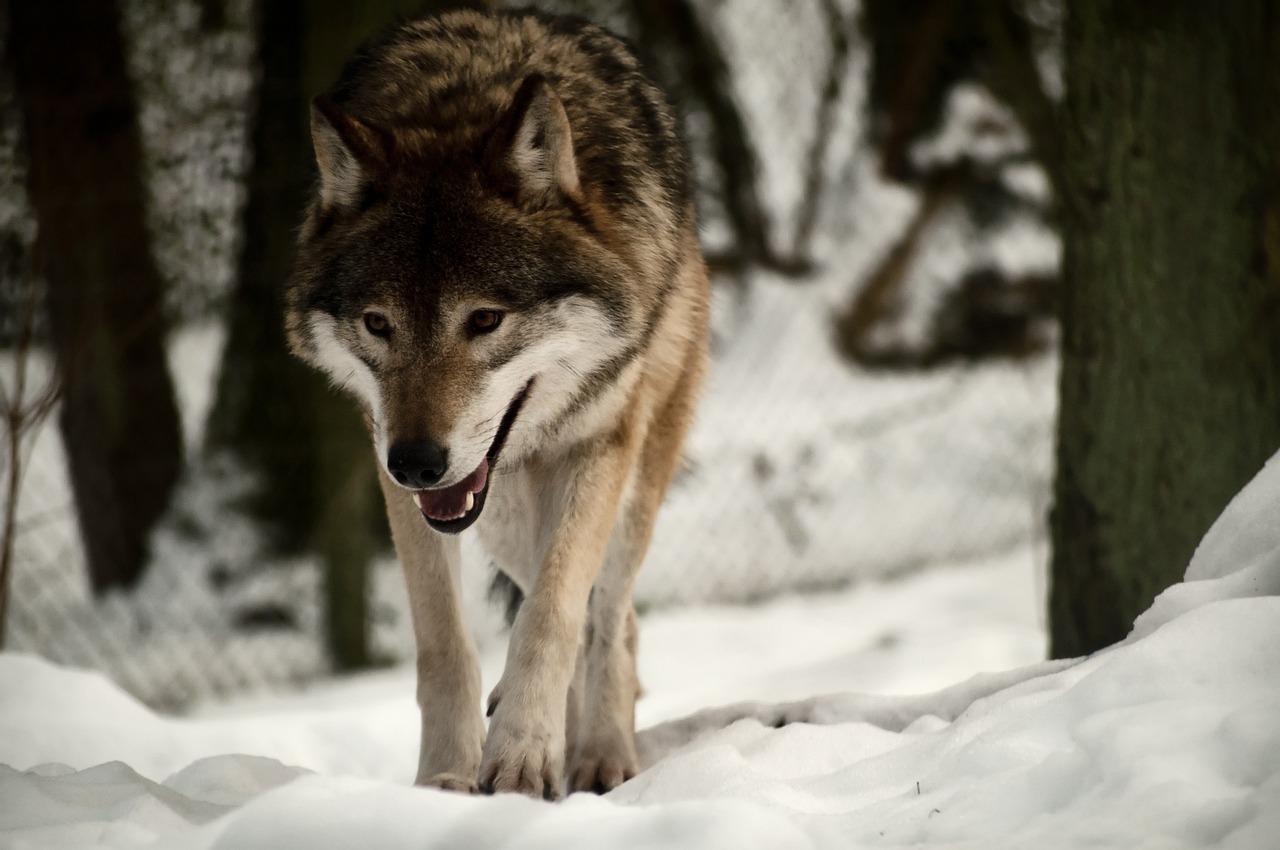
(522, 164)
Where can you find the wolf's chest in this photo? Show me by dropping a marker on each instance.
(516, 526)
(522, 513)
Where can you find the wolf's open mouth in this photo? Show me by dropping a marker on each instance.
(453, 509)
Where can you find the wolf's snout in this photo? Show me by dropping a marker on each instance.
(417, 464)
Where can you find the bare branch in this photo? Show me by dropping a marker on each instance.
(841, 27)
(22, 417)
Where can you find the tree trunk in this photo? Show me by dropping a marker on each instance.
(346, 527)
(305, 441)
(1170, 396)
(119, 421)
(264, 398)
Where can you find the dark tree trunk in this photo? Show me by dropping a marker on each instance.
(1171, 317)
(305, 441)
(264, 395)
(270, 408)
(119, 421)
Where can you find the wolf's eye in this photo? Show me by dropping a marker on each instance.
(484, 321)
(377, 324)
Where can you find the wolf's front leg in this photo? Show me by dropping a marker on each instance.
(448, 668)
(525, 750)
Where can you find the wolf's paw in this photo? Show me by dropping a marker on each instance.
(600, 773)
(450, 782)
(524, 763)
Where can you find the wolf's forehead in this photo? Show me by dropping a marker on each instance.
(439, 245)
(437, 280)
(446, 256)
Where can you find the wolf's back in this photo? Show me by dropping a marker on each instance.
(451, 78)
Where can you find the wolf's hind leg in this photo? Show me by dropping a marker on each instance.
(606, 752)
(448, 666)
(576, 697)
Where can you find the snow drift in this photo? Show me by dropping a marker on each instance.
(1170, 738)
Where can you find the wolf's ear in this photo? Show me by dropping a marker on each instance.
(349, 154)
(532, 149)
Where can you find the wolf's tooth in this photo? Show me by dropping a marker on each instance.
(470, 503)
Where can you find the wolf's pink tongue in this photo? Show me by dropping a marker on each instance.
(451, 502)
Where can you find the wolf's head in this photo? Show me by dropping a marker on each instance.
(465, 288)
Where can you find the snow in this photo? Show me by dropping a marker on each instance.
(982, 615)
(1170, 738)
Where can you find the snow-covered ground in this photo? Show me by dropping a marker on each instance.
(1169, 739)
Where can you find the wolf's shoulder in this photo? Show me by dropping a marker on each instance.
(445, 68)
(450, 78)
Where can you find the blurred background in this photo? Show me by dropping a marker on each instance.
(193, 512)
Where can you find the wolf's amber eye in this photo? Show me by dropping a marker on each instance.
(484, 321)
(377, 324)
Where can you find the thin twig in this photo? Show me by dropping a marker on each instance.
(841, 27)
(22, 417)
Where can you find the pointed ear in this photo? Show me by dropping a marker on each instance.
(349, 154)
(532, 149)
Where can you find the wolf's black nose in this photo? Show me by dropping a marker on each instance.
(418, 464)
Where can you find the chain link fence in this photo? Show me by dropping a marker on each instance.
(806, 469)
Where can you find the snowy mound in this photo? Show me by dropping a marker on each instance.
(1169, 739)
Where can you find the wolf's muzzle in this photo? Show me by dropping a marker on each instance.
(453, 509)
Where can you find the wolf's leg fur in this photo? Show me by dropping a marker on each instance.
(606, 752)
(577, 694)
(448, 667)
(525, 750)
(605, 755)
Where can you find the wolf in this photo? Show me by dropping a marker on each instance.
(500, 262)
